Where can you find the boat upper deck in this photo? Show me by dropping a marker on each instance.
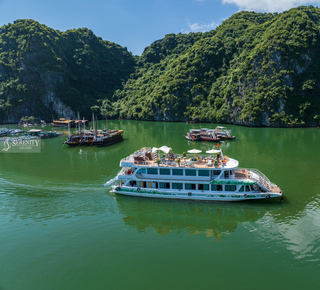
(145, 157)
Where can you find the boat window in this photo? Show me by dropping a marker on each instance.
(177, 171)
(203, 186)
(190, 186)
(230, 188)
(191, 172)
(152, 170)
(247, 188)
(252, 188)
(216, 187)
(142, 171)
(164, 185)
(216, 172)
(241, 188)
(177, 185)
(203, 172)
(164, 171)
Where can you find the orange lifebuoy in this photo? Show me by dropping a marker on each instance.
(242, 170)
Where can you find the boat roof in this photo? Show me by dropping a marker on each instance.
(34, 131)
(206, 160)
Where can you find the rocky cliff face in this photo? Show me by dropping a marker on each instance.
(49, 74)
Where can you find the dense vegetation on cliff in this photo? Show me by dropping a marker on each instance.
(45, 72)
(254, 69)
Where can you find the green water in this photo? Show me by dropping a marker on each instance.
(61, 229)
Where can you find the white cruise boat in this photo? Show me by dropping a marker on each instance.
(212, 177)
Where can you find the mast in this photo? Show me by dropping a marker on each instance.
(93, 122)
(84, 128)
(69, 133)
(79, 123)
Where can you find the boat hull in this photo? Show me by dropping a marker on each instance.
(193, 139)
(212, 196)
(109, 141)
(210, 139)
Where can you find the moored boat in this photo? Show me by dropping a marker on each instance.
(193, 135)
(209, 135)
(108, 137)
(43, 134)
(213, 135)
(210, 177)
(223, 133)
(15, 131)
(95, 138)
(64, 123)
(3, 131)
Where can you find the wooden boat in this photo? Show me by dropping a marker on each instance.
(95, 138)
(74, 140)
(223, 133)
(193, 135)
(209, 135)
(108, 137)
(64, 123)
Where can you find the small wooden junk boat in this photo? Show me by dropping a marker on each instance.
(209, 135)
(212, 177)
(223, 133)
(64, 123)
(213, 135)
(193, 135)
(95, 137)
(108, 137)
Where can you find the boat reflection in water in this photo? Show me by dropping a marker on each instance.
(214, 220)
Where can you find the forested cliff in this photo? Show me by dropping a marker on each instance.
(254, 69)
(45, 72)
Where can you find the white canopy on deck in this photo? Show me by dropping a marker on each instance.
(212, 151)
(194, 151)
(164, 149)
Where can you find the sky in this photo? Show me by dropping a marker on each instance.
(135, 24)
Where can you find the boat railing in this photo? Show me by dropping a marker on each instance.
(122, 171)
(141, 162)
(128, 159)
(259, 177)
(126, 171)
